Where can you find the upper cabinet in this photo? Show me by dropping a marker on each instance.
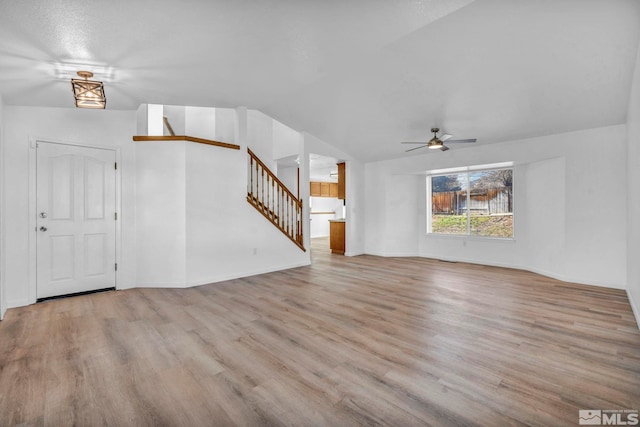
(342, 186)
(315, 189)
(333, 190)
(323, 189)
(330, 189)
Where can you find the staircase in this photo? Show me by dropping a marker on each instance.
(274, 201)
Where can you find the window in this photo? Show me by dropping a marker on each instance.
(471, 202)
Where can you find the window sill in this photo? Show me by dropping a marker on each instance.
(472, 238)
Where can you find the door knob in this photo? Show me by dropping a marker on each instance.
(43, 214)
(43, 228)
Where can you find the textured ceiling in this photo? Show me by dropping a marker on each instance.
(361, 74)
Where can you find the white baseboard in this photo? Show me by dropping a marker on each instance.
(395, 254)
(553, 275)
(570, 279)
(156, 285)
(18, 303)
(353, 253)
(199, 282)
(224, 277)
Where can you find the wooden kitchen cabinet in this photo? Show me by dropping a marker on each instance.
(315, 189)
(337, 237)
(333, 189)
(323, 189)
(342, 185)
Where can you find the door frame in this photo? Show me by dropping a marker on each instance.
(33, 211)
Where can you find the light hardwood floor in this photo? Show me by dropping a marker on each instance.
(347, 341)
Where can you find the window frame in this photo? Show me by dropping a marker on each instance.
(467, 170)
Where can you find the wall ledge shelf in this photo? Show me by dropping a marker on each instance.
(141, 138)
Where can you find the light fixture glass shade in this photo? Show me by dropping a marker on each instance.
(435, 144)
(88, 93)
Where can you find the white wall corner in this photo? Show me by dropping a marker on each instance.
(240, 275)
(241, 127)
(633, 198)
(3, 298)
(634, 307)
(155, 124)
(142, 120)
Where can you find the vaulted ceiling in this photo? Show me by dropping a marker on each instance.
(361, 74)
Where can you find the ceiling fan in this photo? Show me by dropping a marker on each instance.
(436, 143)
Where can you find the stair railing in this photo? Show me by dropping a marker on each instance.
(274, 200)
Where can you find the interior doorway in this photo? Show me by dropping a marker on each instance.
(325, 206)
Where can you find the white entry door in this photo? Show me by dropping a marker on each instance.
(76, 214)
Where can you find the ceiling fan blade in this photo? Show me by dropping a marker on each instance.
(413, 142)
(463, 140)
(444, 148)
(445, 136)
(411, 149)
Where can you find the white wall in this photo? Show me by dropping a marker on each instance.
(196, 194)
(177, 118)
(285, 140)
(633, 193)
(160, 214)
(544, 213)
(289, 177)
(320, 222)
(355, 208)
(226, 237)
(260, 137)
(227, 125)
(3, 299)
(199, 122)
(104, 128)
(584, 240)
(318, 146)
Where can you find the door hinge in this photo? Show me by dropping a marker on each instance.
(115, 165)
(116, 266)
(115, 215)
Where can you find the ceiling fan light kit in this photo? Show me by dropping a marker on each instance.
(88, 93)
(436, 143)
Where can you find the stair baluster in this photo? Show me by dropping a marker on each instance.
(278, 205)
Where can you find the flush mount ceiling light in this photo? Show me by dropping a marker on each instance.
(88, 93)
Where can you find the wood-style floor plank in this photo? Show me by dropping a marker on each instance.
(347, 341)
